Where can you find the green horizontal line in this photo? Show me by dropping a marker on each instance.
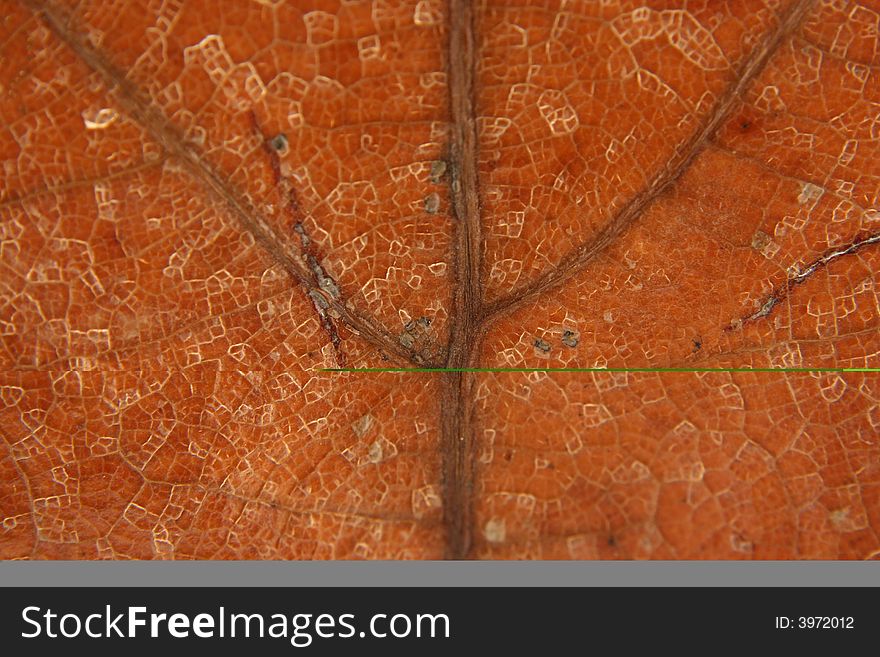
(601, 369)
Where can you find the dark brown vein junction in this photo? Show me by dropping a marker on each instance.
(471, 316)
(251, 218)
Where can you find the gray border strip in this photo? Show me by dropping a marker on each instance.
(437, 573)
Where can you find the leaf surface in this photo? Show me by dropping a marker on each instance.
(206, 204)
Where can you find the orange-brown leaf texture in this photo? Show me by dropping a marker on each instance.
(206, 203)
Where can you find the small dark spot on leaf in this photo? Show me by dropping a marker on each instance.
(698, 343)
(417, 324)
(612, 542)
(415, 333)
(745, 124)
(508, 455)
(432, 203)
(329, 286)
(438, 170)
(542, 346)
(279, 142)
(570, 338)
